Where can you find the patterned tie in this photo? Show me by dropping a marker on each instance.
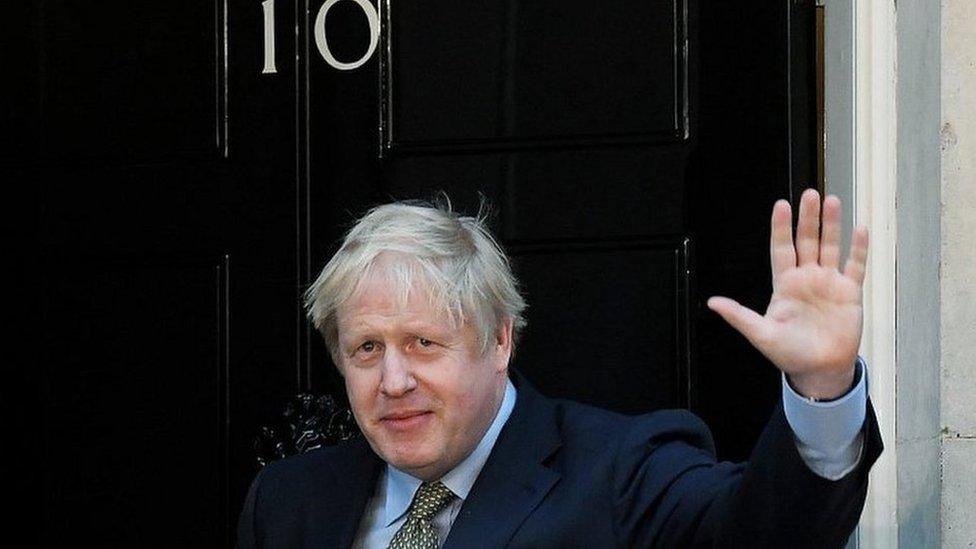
(419, 532)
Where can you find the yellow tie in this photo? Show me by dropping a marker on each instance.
(419, 532)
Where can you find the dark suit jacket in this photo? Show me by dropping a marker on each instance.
(563, 474)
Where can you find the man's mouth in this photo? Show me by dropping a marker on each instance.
(406, 420)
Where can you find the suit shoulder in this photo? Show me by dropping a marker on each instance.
(660, 426)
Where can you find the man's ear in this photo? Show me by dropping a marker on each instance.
(502, 345)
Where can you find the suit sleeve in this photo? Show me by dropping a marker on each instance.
(671, 492)
(246, 531)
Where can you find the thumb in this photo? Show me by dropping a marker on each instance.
(748, 322)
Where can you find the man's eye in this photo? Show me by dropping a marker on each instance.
(368, 347)
(425, 342)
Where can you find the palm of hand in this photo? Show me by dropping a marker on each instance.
(812, 326)
(814, 320)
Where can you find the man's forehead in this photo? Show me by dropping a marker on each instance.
(383, 303)
(385, 295)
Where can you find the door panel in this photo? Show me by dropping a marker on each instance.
(133, 405)
(614, 315)
(600, 193)
(519, 73)
(163, 190)
(120, 80)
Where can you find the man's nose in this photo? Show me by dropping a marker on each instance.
(397, 378)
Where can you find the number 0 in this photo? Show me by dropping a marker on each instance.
(323, 44)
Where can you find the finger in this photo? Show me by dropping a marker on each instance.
(856, 264)
(746, 321)
(808, 228)
(830, 239)
(782, 254)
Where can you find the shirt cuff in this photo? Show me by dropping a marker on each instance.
(828, 435)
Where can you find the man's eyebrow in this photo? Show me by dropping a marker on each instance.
(432, 328)
(355, 331)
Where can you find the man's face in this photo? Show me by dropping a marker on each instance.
(420, 389)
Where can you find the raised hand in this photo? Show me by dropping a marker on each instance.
(812, 326)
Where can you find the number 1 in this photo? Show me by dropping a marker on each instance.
(269, 38)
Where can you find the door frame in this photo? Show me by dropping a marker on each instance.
(861, 168)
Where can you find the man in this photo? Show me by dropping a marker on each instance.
(421, 313)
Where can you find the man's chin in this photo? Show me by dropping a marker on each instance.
(422, 467)
(406, 455)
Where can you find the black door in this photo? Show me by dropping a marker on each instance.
(187, 167)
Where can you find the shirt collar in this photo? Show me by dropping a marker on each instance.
(400, 487)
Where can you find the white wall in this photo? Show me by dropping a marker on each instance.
(875, 121)
(917, 295)
(958, 273)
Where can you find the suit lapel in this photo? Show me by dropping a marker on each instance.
(514, 479)
(336, 515)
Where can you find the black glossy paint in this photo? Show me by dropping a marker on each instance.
(178, 201)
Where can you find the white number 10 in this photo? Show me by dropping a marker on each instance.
(321, 42)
